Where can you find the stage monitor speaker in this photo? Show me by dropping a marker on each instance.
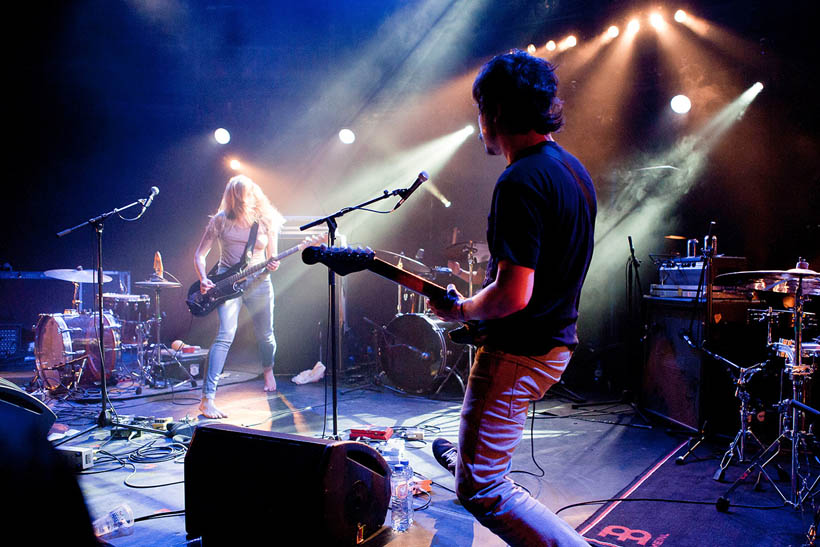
(246, 485)
(21, 411)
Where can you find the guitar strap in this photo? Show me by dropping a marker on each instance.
(248, 253)
(558, 156)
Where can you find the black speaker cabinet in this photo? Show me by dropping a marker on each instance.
(247, 485)
(682, 384)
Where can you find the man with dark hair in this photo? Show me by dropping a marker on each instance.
(540, 235)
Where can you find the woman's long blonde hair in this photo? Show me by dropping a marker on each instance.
(244, 202)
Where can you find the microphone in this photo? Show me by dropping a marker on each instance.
(409, 191)
(147, 202)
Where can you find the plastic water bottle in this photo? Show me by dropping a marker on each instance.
(401, 496)
(117, 522)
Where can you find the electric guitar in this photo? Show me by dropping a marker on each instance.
(233, 281)
(345, 260)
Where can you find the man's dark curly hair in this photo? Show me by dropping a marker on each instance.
(521, 90)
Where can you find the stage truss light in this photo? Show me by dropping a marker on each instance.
(613, 31)
(680, 16)
(680, 104)
(633, 27)
(235, 164)
(531, 49)
(657, 20)
(568, 42)
(347, 136)
(222, 136)
(551, 45)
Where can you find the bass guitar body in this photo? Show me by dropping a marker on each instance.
(201, 304)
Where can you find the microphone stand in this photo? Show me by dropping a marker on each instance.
(104, 419)
(332, 225)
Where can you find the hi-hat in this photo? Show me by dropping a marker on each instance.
(409, 264)
(458, 251)
(76, 276)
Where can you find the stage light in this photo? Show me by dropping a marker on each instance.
(656, 20)
(347, 136)
(680, 104)
(235, 164)
(613, 31)
(572, 41)
(222, 136)
(531, 49)
(469, 129)
(680, 16)
(551, 45)
(757, 88)
(633, 27)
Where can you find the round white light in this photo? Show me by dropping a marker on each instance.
(531, 49)
(680, 16)
(633, 27)
(613, 31)
(222, 136)
(347, 136)
(680, 104)
(551, 45)
(235, 164)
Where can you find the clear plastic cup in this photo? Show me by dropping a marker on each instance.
(117, 522)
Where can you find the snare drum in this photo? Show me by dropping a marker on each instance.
(63, 342)
(809, 356)
(128, 307)
(417, 351)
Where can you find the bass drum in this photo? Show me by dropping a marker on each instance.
(417, 352)
(64, 342)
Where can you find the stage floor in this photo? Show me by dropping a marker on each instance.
(589, 453)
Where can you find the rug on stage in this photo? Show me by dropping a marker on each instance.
(629, 522)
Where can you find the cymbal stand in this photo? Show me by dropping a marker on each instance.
(155, 356)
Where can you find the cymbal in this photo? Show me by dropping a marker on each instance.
(457, 251)
(157, 284)
(780, 281)
(409, 264)
(76, 276)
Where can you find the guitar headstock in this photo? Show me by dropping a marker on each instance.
(342, 260)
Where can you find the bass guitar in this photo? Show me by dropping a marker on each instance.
(233, 281)
(346, 260)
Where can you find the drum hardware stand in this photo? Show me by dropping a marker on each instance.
(332, 225)
(738, 445)
(104, 418)
(800, 489)
(452, 371)
(154, 361)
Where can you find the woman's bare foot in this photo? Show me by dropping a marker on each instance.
(270, 381)
(209, 410)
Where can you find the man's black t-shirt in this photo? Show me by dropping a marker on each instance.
(541, 218)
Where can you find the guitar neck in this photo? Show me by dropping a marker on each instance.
(407, 279)
(250, 270)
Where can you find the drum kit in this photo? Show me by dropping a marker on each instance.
(66, 346)
(783, 383)
(414, 350)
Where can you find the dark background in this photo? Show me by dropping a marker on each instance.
(109, 98)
